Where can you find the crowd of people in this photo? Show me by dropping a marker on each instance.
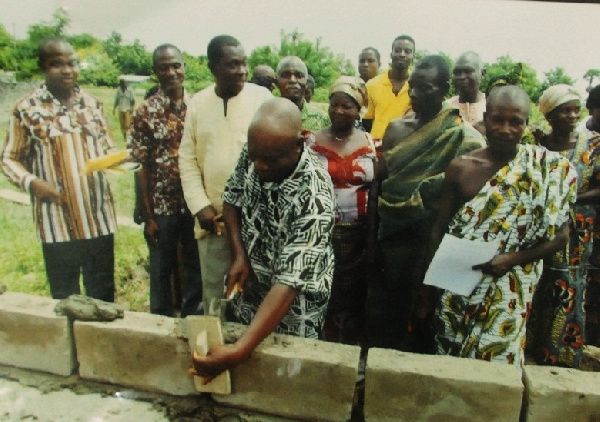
(323, 224)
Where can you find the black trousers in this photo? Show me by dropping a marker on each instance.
(94, 258)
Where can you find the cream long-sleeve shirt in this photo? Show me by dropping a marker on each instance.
(212, 142)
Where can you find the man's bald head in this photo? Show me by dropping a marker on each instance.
(279, 115)
(264, 75)
(510, 95)
(263, 70)
(274, 141)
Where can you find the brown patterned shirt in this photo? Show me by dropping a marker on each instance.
(49, 141)
(154, 142)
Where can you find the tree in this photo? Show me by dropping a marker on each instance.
(554, 76)
(113, 44)
(7, 43)
(83, 41)
(134, 59)
(98, 69)
(558, 76)
(25, 61)
(323, 65)
(55, 28)
(263, 55)
(590, 75)
(24, 55)
(131, 59)
(521, 73)
(197, 73)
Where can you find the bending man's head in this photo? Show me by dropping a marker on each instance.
(274, 140)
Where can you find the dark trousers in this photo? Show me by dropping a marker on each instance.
(392, 293)
(94, 258)
(172, 231)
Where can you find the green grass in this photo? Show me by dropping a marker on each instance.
(21, 261)
(121, 184)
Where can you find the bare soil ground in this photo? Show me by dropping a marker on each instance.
(34, 396)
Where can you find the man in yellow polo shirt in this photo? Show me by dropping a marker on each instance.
(388, 91)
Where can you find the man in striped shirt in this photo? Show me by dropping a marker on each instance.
(51, 134)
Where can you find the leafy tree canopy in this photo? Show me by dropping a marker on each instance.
(554, 77)
(323, 65)
(103, 60)
(522, 73)
(590, 75)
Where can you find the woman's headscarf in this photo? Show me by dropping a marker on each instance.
(353, 86)
(557, 95)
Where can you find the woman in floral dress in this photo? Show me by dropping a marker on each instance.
(557, 325)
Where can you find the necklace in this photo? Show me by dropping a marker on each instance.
(342, 138)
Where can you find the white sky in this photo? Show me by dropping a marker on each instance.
(543, 34)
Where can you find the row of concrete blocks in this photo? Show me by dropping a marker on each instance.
(291, 377)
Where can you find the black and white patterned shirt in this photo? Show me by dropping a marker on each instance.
(286, 231)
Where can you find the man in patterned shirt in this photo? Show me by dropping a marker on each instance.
(279, 212)
(51, 134)
(517, 196)
(154, 142)
(292, 77)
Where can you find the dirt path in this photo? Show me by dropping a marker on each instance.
(34, 396)
(20, 403)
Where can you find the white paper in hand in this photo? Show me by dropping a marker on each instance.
(451, 266)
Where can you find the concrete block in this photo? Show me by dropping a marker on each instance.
(591, 359)
(141, 350)
(32, 336)
(294, 377)
(410, 387)
(560, 394)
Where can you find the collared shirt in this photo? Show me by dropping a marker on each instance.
(154, 142)
(124, 99)
(212, 142)
(286, 231)
(384, 105)
(49, 141)
(313, 118)
(471, 112)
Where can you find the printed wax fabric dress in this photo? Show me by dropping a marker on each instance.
(524, 203)
(557, 326)
(592, 290)
(352, 176)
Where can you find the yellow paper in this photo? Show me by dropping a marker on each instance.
(105, 162)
